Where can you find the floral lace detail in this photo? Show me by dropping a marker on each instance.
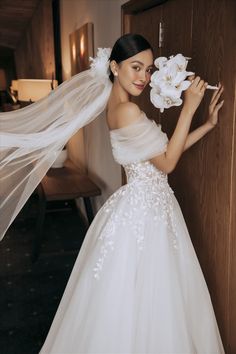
(108, 231)
(147, 191)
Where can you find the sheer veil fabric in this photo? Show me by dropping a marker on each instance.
(32, 137)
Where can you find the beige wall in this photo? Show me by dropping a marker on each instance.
(106, 17)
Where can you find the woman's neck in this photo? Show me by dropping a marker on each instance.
(119, 93)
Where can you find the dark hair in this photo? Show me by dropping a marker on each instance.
(127, 46)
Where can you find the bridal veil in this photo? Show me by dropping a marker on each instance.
(32, 137)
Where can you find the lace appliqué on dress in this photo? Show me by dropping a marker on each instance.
(147, 191)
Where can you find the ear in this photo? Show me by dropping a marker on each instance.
(114, 67)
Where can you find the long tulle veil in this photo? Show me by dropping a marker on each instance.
(32, 137)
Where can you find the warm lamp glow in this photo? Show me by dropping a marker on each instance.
(14, 85)
(34, 90)
(73, 51)
(82, 50)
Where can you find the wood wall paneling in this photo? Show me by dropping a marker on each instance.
(213, 155)
(145, 23)
(34, 55)
(178, 39)
(15, 15)
(205, 178)
(229, 79)
(202, 169)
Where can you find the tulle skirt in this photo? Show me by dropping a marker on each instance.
(132, 291)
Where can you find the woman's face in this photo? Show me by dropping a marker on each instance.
(134, 73)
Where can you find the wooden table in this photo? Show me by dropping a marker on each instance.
(66, 183)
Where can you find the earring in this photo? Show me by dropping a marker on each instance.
(115, 73)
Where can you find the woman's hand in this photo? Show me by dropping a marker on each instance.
(194, 94)
(215, 106)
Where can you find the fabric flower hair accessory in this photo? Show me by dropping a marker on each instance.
(169, 81)
(100, 64)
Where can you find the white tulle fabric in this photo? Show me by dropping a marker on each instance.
(136, 286)
(32, 138)
(139, 141)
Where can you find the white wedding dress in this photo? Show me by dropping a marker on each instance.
(137, 286)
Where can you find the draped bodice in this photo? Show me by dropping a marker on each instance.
(138, 141)
(135, 144)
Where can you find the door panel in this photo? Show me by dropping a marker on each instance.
(147, 24)
(205, 178)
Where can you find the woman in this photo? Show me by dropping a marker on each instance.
(137, 286)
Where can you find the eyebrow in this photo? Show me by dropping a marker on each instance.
(137, 61)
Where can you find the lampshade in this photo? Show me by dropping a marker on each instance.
(34, 90)
(14, 85)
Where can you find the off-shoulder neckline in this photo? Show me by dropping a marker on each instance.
(142, 114)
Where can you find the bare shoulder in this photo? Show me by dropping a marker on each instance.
(126, 113)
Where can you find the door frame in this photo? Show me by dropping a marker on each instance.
(133, 7)
(129, 9)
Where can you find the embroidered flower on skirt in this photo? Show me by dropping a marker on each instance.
(147, 192)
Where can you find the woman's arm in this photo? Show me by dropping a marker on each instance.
(196, 135)
(211, 122)
(193, 95)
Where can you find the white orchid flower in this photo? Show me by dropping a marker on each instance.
(169, 81)
(177, 102)
(169, 102)
(165, 74)
(157, 100)
(184, 85)
(169, 91)
(160, 62)
(178, 78)
(178, 60)
(163, 102)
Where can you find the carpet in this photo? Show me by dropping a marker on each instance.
(31, 292)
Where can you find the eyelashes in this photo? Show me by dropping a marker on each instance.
(137, 68)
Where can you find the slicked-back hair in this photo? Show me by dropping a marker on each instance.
(127, 46)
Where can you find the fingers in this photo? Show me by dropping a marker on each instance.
(217, 91)
(216, 95)
(219, 105)
(191, 78)
(198, 83)
(203, 86)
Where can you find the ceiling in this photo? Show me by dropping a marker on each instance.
(15, 15)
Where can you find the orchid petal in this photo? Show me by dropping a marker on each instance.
(179, 78)
(156, 100)
(160, 62)
(185, 85)
(188, 73)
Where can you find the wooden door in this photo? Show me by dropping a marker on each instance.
(205, 178)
